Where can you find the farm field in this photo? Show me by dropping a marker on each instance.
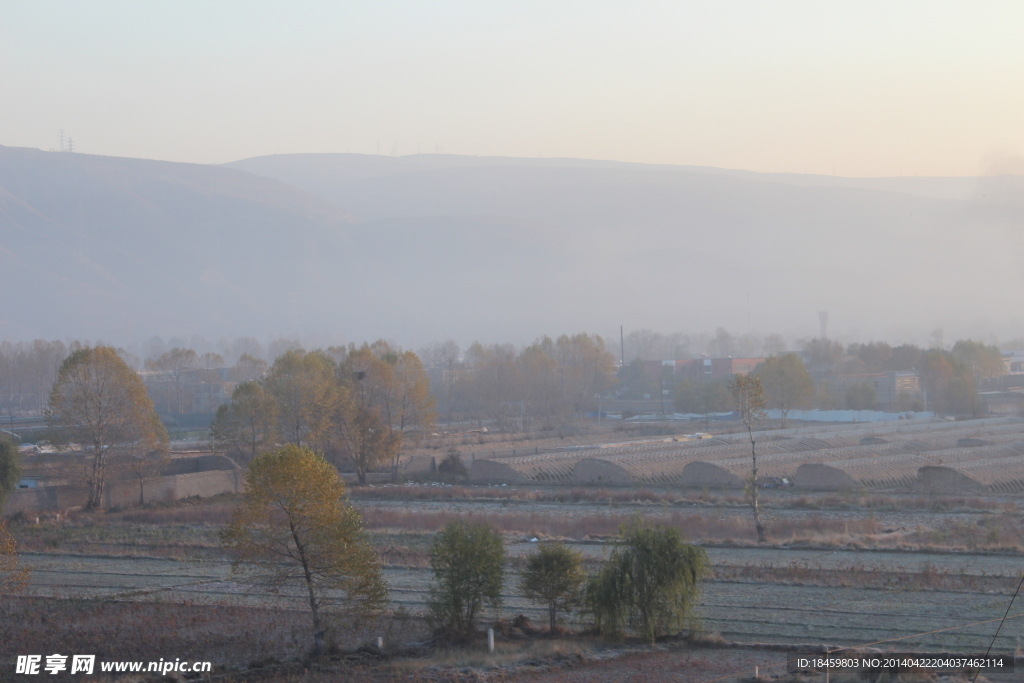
(896, 569)
(834, 578)
(739, 610)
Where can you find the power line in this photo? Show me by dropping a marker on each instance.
(1001, 621)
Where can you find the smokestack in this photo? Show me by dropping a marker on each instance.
(823, 319)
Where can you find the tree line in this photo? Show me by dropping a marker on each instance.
(352, 405)
(949, 379)
(546, 384)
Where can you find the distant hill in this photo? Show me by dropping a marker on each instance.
(572, 243)
(113, 248)
(428, 246)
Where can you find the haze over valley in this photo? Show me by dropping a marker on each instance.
(434, 246)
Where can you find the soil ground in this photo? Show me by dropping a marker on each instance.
(895, 571)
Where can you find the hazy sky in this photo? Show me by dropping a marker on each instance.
(855, 88)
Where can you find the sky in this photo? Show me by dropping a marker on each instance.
(845, 88)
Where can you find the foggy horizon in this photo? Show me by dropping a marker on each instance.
(519, 170)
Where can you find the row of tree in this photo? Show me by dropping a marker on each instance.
(950, 380)
(295, 529)
(548, 383)
(353, 405)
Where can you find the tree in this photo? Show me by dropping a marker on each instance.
(861, 396)
(985, 362)
(468, 561)
(99, 402)
(248, 424)
(295, 528)
(444, 356)
(553, 577)
(787, 384)
(635, 381)
(905, 358)
(211, 361)
(177, 363)
(364, 435)
(702, 396)
(452, 466)
(12, 576)
(144, 466)
(248, 369)
(876, 356)
(404, 398)
(823, 356)
(748, 397)
(10, 467)
(774, 345)
(650, 582)
(307, 395)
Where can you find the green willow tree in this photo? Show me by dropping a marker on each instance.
(468, 562)
(649, 584)
(553, 577)
(295, 529)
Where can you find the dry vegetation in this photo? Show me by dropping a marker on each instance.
(237, 637)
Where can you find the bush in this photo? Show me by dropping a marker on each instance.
(452, 466)
(468, 562)
(10, 467)
(649, 583)
(553, 577)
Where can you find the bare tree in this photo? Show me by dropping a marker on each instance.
(748, 397)
(177, 363)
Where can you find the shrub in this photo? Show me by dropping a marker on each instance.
(649, 583)
(10, 467)
(553, 577)
(468, 562)
(452, 466)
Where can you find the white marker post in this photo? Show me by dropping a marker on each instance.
(490, 640)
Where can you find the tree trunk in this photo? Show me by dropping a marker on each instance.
(318, 631)
(551, 619)
(753, 491)
(361, 474)
(95, 500)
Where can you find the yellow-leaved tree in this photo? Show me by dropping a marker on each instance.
(101, 404)
(295, 530)
(12, 576)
